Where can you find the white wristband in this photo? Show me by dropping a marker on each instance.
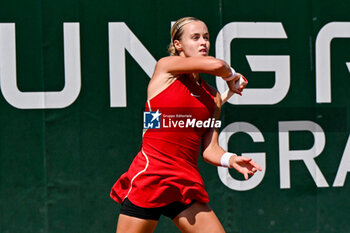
(232, 76)
(233, 72)
(225, 159)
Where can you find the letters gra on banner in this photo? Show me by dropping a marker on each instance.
(286, 155)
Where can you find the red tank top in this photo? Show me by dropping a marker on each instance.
(165, 170)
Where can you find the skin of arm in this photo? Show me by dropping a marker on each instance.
(169, 68)
(200, 64)
(212, 151)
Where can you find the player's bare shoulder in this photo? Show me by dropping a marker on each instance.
(164, 67)
(161, 78)
(166, 62)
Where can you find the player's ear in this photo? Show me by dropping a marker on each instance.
(178, 46)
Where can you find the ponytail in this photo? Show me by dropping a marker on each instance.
(172, 50)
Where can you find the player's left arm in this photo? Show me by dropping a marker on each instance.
(213, 152)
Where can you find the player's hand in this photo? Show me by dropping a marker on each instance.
(244, 165)
(233, 84)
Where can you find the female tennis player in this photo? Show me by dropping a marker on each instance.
(163, 178)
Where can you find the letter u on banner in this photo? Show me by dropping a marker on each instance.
(40, 100)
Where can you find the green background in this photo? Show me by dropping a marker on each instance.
(57, 166)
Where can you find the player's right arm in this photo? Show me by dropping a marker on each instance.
(169, 68)
(176, 65)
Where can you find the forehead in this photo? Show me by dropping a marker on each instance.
(195, 27)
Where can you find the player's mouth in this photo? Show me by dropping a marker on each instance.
(203, 51)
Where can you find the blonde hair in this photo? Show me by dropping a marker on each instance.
(177, 31)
